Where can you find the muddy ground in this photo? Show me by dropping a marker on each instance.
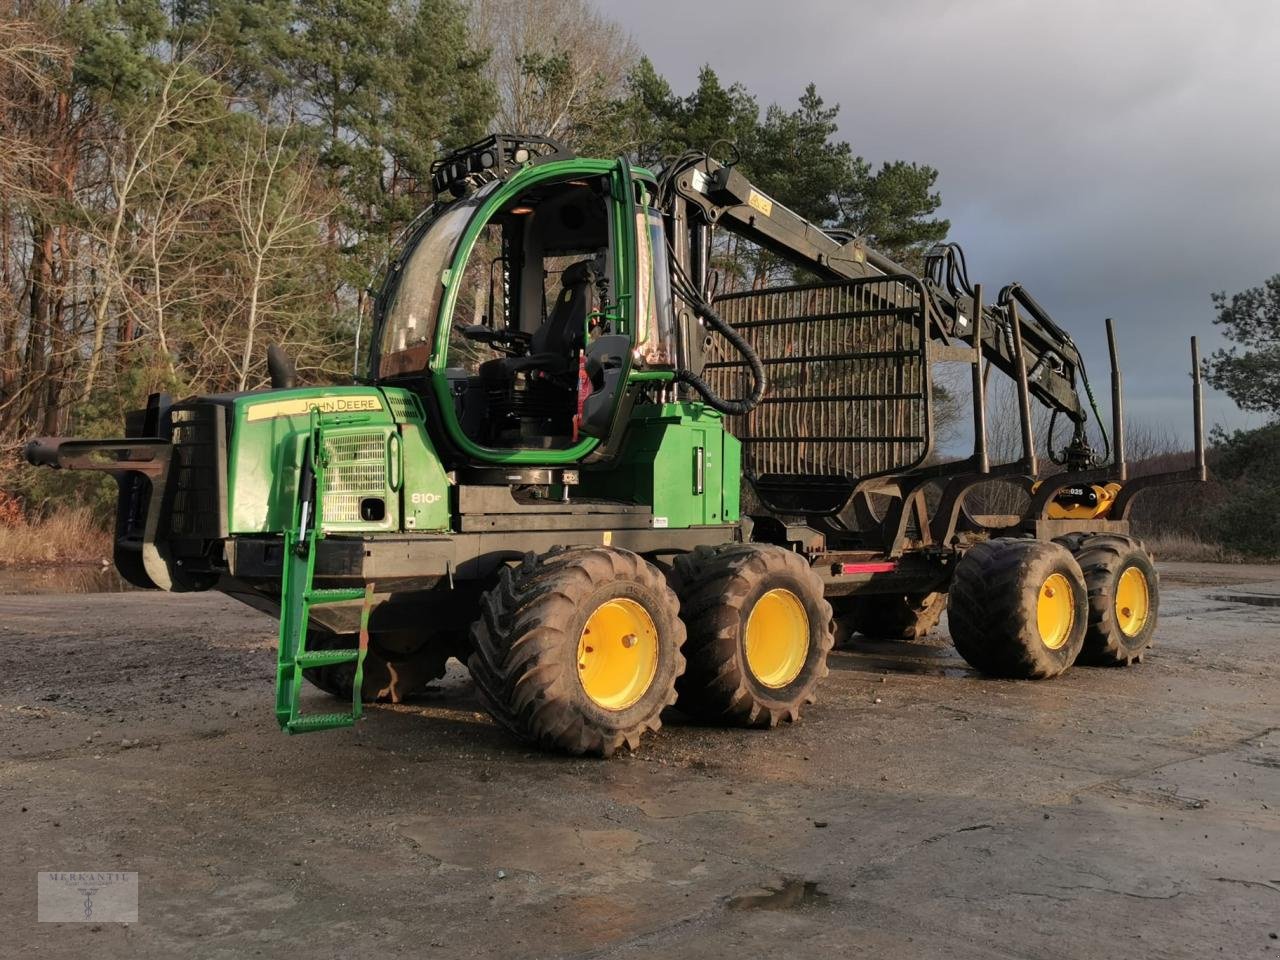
(918, 811)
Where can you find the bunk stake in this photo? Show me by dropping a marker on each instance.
(1024, 393)
(1197, 407)
(980, 457)
(1117, 407)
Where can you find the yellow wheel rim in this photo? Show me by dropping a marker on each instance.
(1133, 602)
(777, 638)
(618, 654)
(1055, 611)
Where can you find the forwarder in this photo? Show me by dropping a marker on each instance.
(540, 471)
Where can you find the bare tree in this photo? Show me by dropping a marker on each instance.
(26, 58)
(180, 102)
(279, 231)
(38, 158)
(555, 63)
(166, 273)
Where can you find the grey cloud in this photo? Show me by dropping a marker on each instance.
(1120, 159)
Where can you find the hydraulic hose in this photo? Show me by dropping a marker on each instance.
(759, 382)
(689, 292)
(1015, 291)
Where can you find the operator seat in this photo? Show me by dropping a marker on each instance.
(554, 346)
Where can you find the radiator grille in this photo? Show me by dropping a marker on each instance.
(848, 373)
(356, 469)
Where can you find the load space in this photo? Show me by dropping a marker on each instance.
(615, 473)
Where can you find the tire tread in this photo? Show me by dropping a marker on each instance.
(519, 643)
(714, 583)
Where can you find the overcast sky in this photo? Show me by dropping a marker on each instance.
(1117, 158)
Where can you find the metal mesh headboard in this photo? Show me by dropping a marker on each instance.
(849, 386)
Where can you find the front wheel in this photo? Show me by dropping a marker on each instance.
(578, 650)
(759, 633)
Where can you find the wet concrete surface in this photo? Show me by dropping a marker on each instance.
(919, 810)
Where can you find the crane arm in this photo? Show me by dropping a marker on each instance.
(714, 194)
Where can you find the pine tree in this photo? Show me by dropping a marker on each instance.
(1250, 319)
(794, 155)
(381, 85)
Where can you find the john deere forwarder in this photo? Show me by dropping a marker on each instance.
(540, 472)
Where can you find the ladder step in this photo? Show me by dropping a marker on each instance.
(298, 594)
(320, 721)
(340, 595)
(323, 658)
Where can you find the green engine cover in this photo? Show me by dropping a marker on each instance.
(382, 474)
(678, 459)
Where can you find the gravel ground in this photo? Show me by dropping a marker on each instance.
(919, 810)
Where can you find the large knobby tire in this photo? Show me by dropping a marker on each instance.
(388, 677)
(1018, 608)
(889, 616)
(759, 633)
(1124, 597)
(578, 650)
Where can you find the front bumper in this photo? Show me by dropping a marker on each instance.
(170, 470)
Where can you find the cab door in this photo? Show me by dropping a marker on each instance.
(644, 352)
(540, 316)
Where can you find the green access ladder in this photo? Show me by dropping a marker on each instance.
(298, 596)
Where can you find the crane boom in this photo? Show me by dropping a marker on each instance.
(718, 195)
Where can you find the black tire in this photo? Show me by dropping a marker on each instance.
(526, 648)
(720, 588)
(388, 677)
(1116, 637)
(994, 608)
(889, 616)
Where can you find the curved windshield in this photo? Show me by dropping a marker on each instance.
(409, 319)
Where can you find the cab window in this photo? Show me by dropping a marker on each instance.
(534, 293)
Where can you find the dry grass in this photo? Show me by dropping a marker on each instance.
(71, 535)
(1185, 546)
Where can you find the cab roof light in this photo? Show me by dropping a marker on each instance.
(493, 158)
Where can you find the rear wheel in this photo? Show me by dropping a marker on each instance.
(1018, 608)
(759, 633)
(578, 650)
(896, 616)
(1124, 597)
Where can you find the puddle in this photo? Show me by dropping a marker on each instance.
(65, 578)
(792, 895)
(920, 668)
(1254, 599)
